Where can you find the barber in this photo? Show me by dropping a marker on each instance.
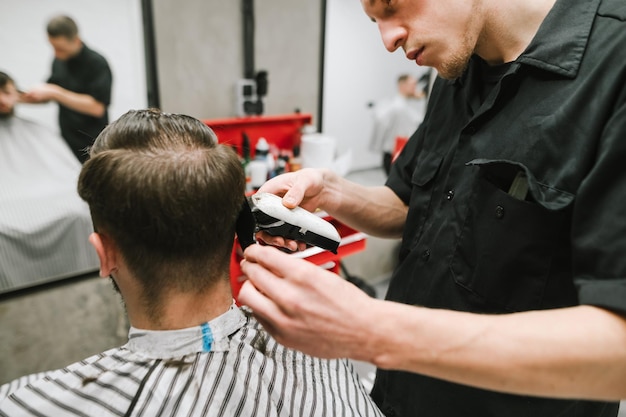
(80, 83)
(509, 200)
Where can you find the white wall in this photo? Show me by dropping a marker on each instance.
(113, 28)
(357, 70)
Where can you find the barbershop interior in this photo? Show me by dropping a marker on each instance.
(286, 84)
(188, 58)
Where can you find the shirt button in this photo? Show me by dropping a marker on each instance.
(426, 255)
(499, 212)
(450, 195)
(471, 130)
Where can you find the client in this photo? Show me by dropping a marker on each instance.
(9, 96)
(164, 198)
(43, 222)
(29, 136)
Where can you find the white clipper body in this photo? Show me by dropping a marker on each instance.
(274, 218)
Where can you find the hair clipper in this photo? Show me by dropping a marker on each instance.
(266, 212)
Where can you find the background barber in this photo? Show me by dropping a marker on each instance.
(80, 83)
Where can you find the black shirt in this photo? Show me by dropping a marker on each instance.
(558, 116)
(86, 73)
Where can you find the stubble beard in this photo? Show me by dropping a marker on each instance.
(456, 65)
(7, 114)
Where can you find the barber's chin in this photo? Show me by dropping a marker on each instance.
(452, 71)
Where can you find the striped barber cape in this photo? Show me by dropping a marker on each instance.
(226, 367)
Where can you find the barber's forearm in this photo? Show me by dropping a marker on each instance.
(374, 210)
(82, 103)
(578, 352)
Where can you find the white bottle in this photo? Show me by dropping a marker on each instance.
(257, 169)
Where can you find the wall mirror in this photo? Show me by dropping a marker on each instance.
(43, 223)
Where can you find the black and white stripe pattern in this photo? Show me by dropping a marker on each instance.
(44, 225)
(249, 375)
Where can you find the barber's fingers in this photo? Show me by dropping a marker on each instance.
(306, 183)
(294, 196)
(277, 262)
(278, 241)
(294, 187)
(28, 97)
(281, 242)
(264, 308)
(278, 290)
(288, 186)
(278, 185)
(266, 312)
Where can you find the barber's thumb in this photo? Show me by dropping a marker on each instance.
(293, 197)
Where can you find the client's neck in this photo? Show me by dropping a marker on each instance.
(183, 310)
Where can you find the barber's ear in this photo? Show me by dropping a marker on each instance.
(106, 253)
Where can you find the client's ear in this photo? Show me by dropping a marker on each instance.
(106, 252)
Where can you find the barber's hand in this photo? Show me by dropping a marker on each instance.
(305, 307)
(40, 93)
(302, 188)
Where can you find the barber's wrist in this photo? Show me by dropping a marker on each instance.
(55, 92)
(375, 335)
(331, 197)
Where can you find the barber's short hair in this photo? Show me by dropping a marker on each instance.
(62, 26)
(168, 195)
(5, 79)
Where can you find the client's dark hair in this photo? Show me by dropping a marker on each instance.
(168, 195)
(5, 79)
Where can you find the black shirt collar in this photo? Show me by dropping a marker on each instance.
(561, 40)
(80, 55)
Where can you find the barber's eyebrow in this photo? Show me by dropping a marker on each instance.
(373, 3)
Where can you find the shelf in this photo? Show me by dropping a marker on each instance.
(283, 131)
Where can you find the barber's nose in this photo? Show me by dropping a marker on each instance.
(393, 36)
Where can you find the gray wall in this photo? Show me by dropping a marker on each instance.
(200, 54)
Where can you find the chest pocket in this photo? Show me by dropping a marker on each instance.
(507, 244)
(420, 204)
